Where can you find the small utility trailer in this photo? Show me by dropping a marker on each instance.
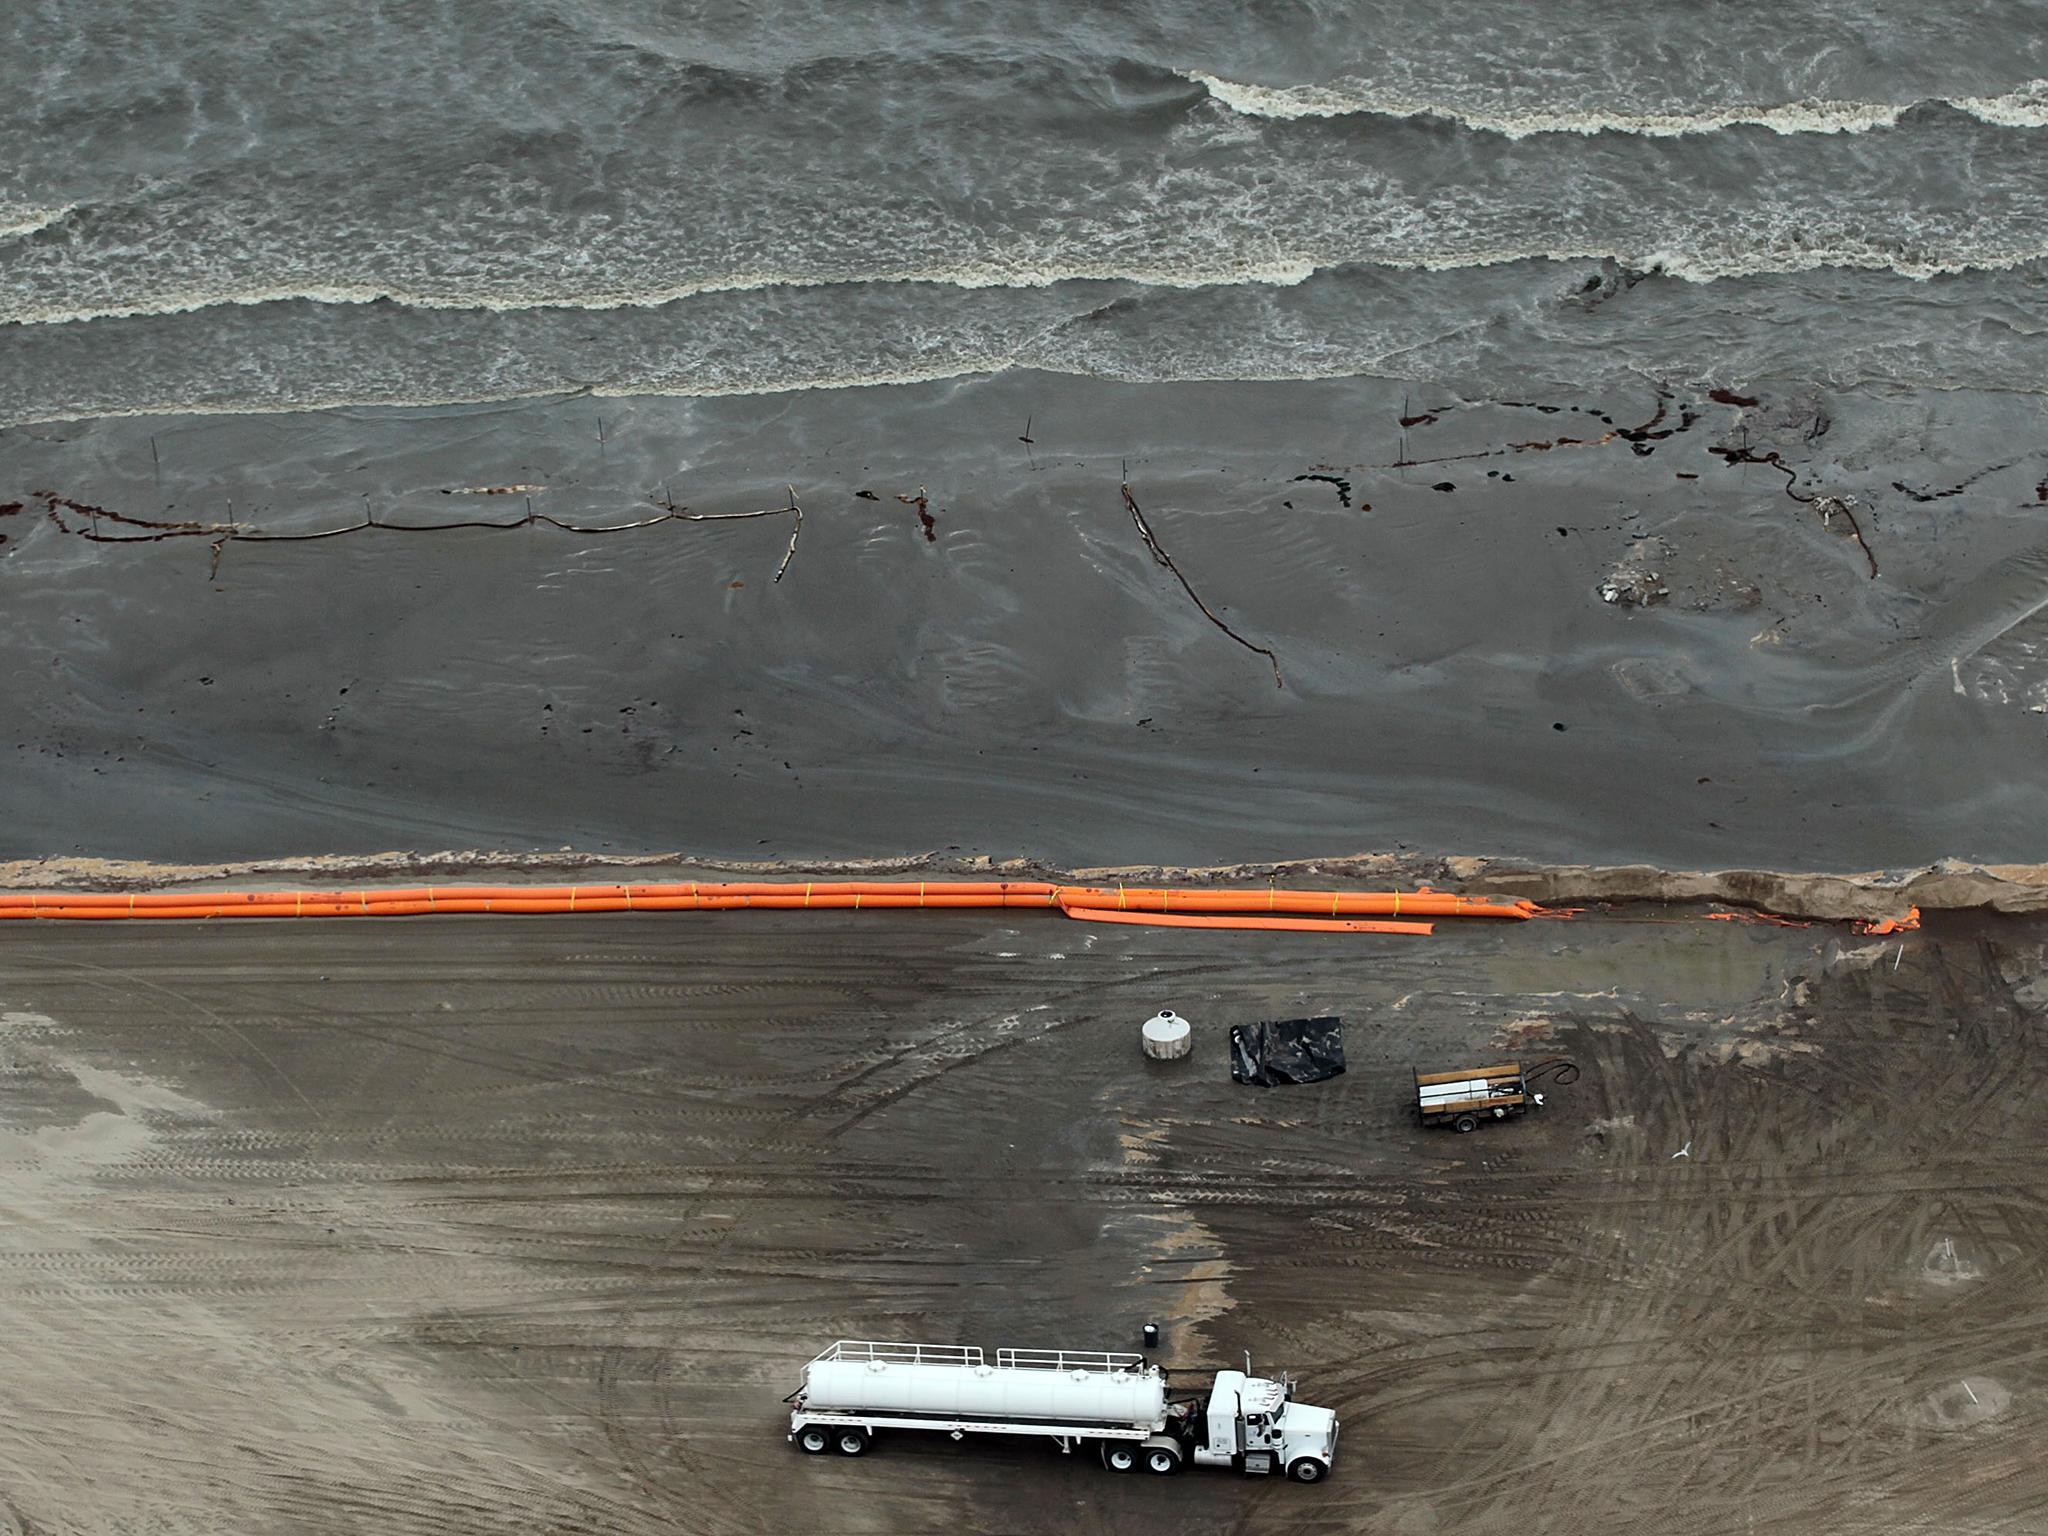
(1463, 1099)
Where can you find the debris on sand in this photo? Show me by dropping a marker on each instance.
(923, 503)
(1287, 1051)
(1642, 439)
(1634, 582)
(1844, 507)
(1166, 560)
(67, 514)
(1829, 507)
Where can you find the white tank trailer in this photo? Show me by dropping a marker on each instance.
(1117, 1403)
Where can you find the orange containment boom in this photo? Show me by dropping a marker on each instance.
(1270, 924)
(1416, 904)
(1297, 911)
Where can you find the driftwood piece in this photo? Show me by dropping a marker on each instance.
(220, 535)
(1160, 555)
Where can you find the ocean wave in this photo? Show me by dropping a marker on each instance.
(398, 399)
(2025, 107)
(1777, 258)
(16, 220)
(1223, 336)
(269, 403)
(1283, 272)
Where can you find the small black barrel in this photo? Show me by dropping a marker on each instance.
(1151, 1334)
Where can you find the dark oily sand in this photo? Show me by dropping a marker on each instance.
(493, 1225)
(1003, 666)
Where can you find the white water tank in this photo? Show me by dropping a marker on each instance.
(1135, 1397)
(1167, 1036)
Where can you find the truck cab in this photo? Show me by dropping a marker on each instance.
(1251, 1424)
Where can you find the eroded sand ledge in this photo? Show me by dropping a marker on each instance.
(1950, 885)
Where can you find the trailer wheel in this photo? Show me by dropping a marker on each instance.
(1466, 1123)
(852, 1442)
(1119, 1457)
(813, 1441)
(1307, 1470)
(1163, 1461)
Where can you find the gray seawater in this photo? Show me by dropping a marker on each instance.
(284, 264)
(214, 206)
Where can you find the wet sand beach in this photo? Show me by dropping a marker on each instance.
(1020, 677)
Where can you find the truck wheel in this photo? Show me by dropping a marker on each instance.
(813, 1441)
(852, 1442)
(1467, 1123)
(1159, 1459)
(1307, 1470)
(1119, 1457)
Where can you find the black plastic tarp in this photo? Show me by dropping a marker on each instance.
(1286, 1051)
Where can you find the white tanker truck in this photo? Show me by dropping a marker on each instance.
(1117, 1403)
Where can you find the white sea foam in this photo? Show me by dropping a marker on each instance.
(271, 404)
(1782, 259)
(17, 220)
(1279, 271)
(1772, 258)
(2026, 107)
(1237, 347)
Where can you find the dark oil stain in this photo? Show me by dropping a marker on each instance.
(1751, 456)
(1729, 397)
(159, 530)
(1641, 438)
(1960, 486)
(1343, 486)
